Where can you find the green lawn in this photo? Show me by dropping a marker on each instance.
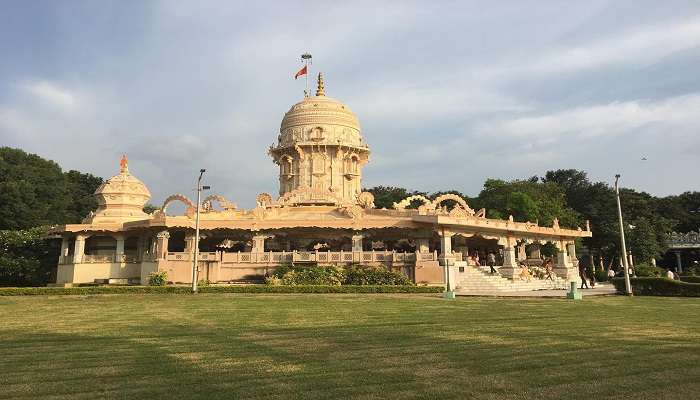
(348, 346)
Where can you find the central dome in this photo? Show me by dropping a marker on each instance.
(319, 110)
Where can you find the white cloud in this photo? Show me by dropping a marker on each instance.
(52, 94)
(604, 119)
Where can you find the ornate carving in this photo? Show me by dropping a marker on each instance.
(225, 204)
(450, 196)
(177, 197)
(427, 204)
(365, 200)
(263, 199)
(309, 195)
(459, 212)
(352, 211)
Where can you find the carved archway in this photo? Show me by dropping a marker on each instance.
(177, 197)
(225, 204)
(408, 200)
(451, 196)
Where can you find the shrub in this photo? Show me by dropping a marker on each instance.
(601, 276)
(364, 275)
(646, 270)
(690, 279)
(652, 286)
(159, 278)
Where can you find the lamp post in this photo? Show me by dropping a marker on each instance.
(625, 264)
(196, 230)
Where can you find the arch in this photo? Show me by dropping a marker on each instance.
(450, 196)
(263, 199)
(177, 197)
(225, 204)
(407, 201)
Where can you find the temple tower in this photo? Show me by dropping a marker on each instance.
(320, 146)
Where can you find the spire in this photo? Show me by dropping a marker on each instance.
(124, 164)
(319, 89)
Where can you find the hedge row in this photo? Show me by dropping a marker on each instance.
(32, 291)
(690, 279)
(652, 286)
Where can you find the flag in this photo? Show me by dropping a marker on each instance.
(301, 72)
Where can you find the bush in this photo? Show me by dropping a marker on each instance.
(158, 278)
(91, 290)
(601, 276)
(336, 275)
(362, 275)
(651, 286)
(690, 279)
(646, 270)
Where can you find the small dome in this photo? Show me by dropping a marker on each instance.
(120, 198)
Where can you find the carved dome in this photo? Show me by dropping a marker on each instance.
(321, 119)
(120, 198)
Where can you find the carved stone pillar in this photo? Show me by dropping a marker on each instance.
(423, 245)
(162, 245)
(119, 252)
(679, 262)
(79, 249)
(357, 242)
(564, 268)
(534, 252)
(510, 262)
(190, 241)
(571, 249)
(64, 249)
(521, 255)
(259, 243)
(446, 248)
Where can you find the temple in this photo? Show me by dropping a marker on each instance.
(321, 216)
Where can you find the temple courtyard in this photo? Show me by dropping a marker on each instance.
(348, 346)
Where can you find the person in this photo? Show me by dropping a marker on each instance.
(669, 274)
(491, 261)
(582, 274)
(476, 259)
(611, 273)
(524, 272)
(548, 269)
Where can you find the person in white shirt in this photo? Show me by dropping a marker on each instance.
(669, 274)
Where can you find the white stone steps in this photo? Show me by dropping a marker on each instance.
(479, 279)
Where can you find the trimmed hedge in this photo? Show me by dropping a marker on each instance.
(690, 279)
(651, 286)
(87, 290)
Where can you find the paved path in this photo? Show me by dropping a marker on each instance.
(603, 289)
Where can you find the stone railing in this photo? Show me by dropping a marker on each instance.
(186, 256)
(684, 240)
(319, 257)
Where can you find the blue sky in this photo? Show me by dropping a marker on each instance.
(448, 93)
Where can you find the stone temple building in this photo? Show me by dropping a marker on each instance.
(321, 216)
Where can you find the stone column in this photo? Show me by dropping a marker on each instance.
(563, 267)
(446, 248)
(534, 253)
(571, 249)
(357, 242)
(259, 243)
(510, 262)
(521, 255)
(119, 253)
(190, 241)
(79, 249)
(162, 245)
(64, 250)
(423, 245)
(679, 263)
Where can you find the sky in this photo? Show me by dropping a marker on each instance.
(448, 93)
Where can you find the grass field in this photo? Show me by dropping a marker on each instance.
(348, 346)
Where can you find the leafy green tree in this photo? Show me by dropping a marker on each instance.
(386, 196)
(80, 189)
(26, 258)
(32, 190)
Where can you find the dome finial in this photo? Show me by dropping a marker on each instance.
(321, 86)
(124, 164)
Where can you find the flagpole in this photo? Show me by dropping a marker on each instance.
(306, 57)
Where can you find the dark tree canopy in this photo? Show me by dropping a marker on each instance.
(35, 192)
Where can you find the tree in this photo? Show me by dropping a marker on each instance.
(26, 258)
(80, 190)
(386, 196)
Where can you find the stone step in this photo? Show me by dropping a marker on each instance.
(480, 279)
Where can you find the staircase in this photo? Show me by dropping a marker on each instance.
(479, 280)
